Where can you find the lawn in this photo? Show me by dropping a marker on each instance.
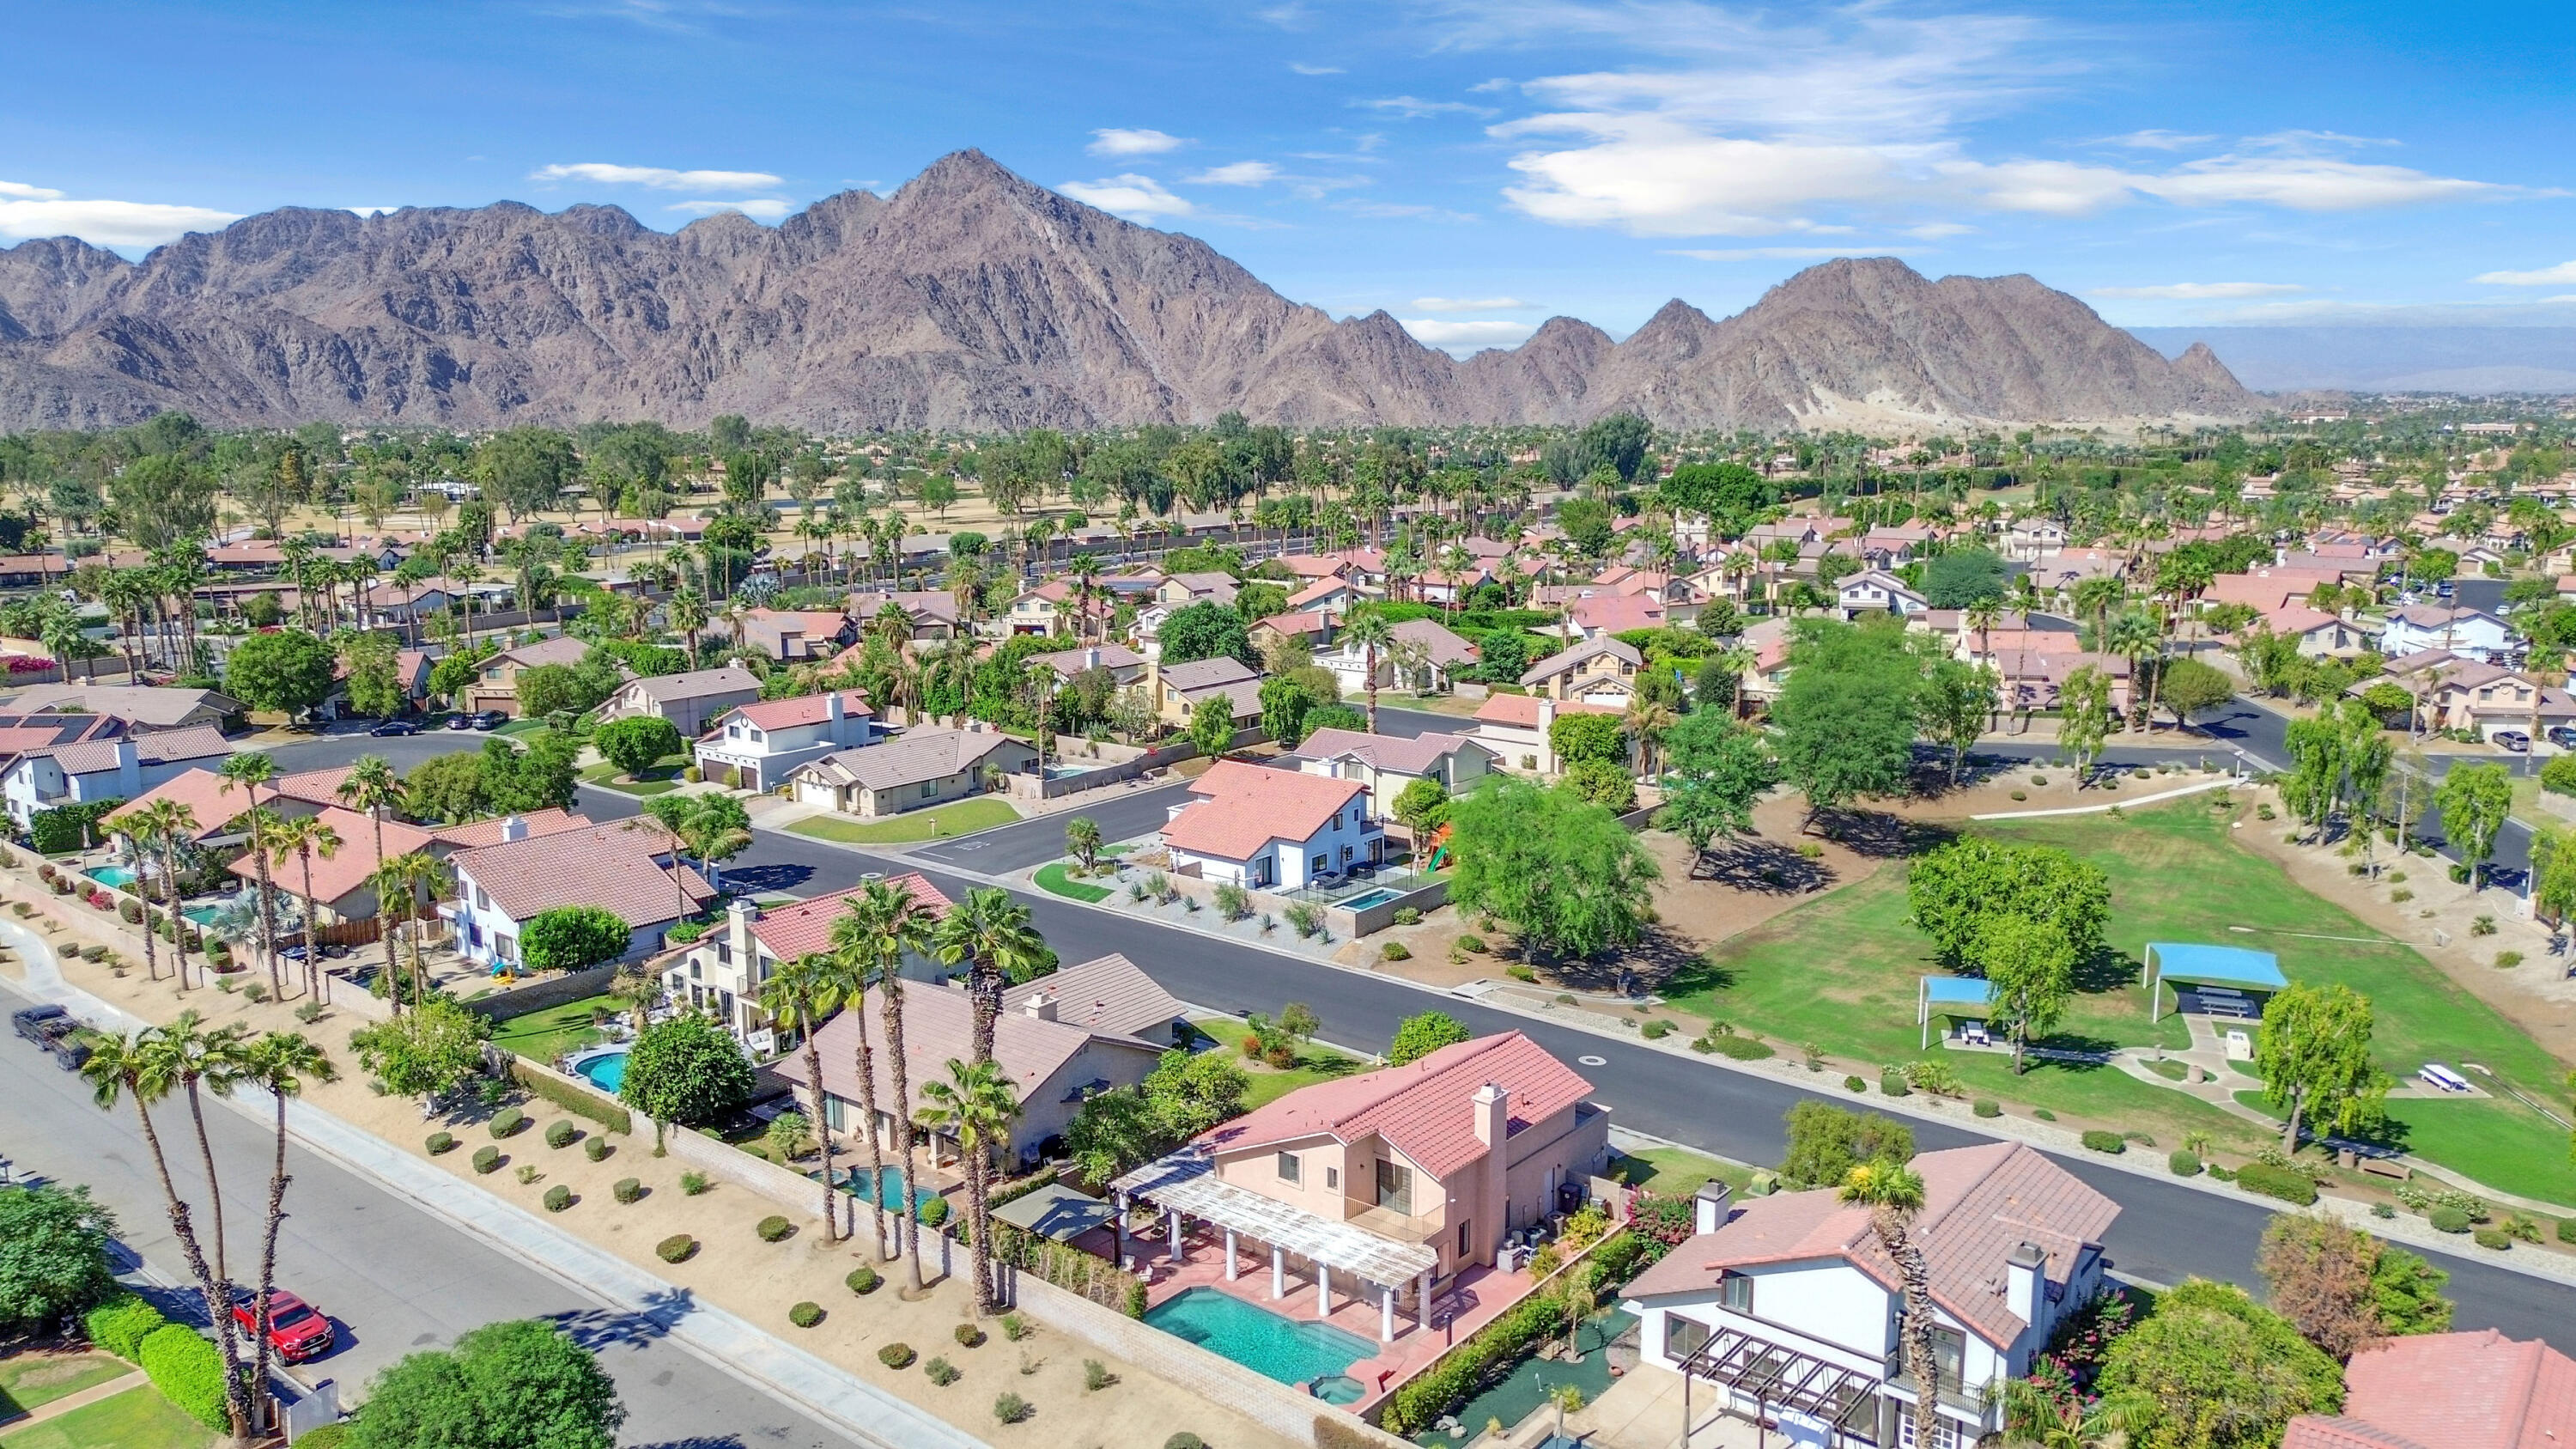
(1314, 1064)
(1052, 878)
(520, 727)
(662, 778)
(32, 1380)
(1841, 972)
(139, 1418)
(545, 1035)
(1676, 1171)
(938, 822)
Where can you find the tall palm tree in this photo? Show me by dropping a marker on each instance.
(1373, 634)
(854, 954)
(1893, 1193)
(141, 835)
(804, 991)
(884, 922)
(991, 934)
(202, 1061)
(308, 836)
(373, 788)
(1647, 722)
(974, 1105)
(407, 878)
(250, 770)
(2137, 635)
(168, 825)
(121, 1068)
(279, 1063)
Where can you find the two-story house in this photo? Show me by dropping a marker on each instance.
(1877, 591)
(690, 700)
(1788, 1308)
(931, 614)
(1426, 658)
(2474, 633)
(756, 746)
(47, 776)
(1266, 829)
(630, 868)
(496, 686)
(1596, 671)
(1517, 730)
(1178, 688)
(793, 636)
(722, 972)
(1385, 764)
(1181, 590)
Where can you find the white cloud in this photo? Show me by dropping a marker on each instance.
(659, 177)
(1498, 83)
(2201, 291)
(1116, 141)
(1936, 230)
(763, 208)
(1138, 198)
(1301, 68)
(1414, 108)
(1467, 304)
(1238, 173)
(1779, 254)
(1433, 332)
(39, 211)
(2159, 140)
(2544, 277)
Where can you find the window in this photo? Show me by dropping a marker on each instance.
(1395, 1187)
(1317, 865)
(1333, 1178)
(930, 789)
(1464, 1239)
(1683, 1336)
(1288, 1168)
(1735, 1294)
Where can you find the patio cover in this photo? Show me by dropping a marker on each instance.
(1777, 1377)
(2230, 966)
(1057, 1212)
(1950, 996)
(1186, 1182)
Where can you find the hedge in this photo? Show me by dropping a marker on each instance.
(66, 828)
(560, 1134)
(1493, 1349)
(558, 1197)
(188, 1372)
(2098, 1140)
(2287, 1184)
(2449, 1219)
(120, 1325)
(573, 1099)
(508, 1121)
(2184, 1162)
(596, 1149)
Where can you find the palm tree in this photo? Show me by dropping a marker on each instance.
(308, 836)
(202, 1061)
(2034, 1417)
(140, 831)
(1371, 632)
(168, 825)
(405, 878)
(991, 935)
(879, 926)
(974, 1106)
(250, 770)
(1647, 721)
(805, 991)
(123, 1067)
(2136, 635)
(279, 1063)
(1982, 616)
(1893, 1193)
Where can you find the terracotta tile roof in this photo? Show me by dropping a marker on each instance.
(803, 709)
(1424, 1109)
(1107, 994)
(617, 867)
(1321, 591)
(1417, 756)
(1617, 613)
(805, 926)
(2451, 1391)
(1521, 710)
(345, 869)
(202, 791)
(938, 1024)
(1978, 1204)
(1313, 626)
(1440, 645)
(488, 832)
(1248, 806)
(1315, 566)
(156, 706)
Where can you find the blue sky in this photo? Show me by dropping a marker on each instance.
(1472, 167)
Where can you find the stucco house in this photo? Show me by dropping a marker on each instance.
(496, 686)
(48, 776)
(1517, 730)
(1267, 829)
(1178, 688)
(757, 746)
(722, 971)
(918, 768)
(1439, 654)
(1877, 591)
(1596, 671)
(2477, 1390)
(2471, 632)
(794, 635)
(628, 867)
(141, 706)
(690, 700)
(1385, 764)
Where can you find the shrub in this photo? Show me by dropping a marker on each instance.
(561, 1134)
(441, 1142)
(2286, 1183)
(2021, 794)
(487, 1159)
(508, 1121)
(805, 1315)
(2567, 1230)
(2043, 1114)
(1185, 1440)
(558, 1197)
(596, 1149)
(1015, 1328)
(1891, 1083)
(1010, 1408)
(2382, 1210)
(2140, 1138)
(1854, 1084)
(184, 1366)
(934, 1211)
(257, 992)
(1395, 951)
(677, 1248)
(1657, 1029)
(864, 1280)
(309, 1013)
(941, 1372)
(1741, 1048)
(627, 1191)
(1988, 1107)
(2448, 1219)
(2482, 926)
(2507, 960)
(775, 1229)
(1472, 943)
(1096, 1376)
(1407, 916)
(120, 1325)
(2100, 1141)
(2184, 1162)
(969, 1336)
(2401, 896)
(2496, 1238)
(1521, 973)
(896, 1355)
(1133, 1304)
(694, 1183)
(528, 1173)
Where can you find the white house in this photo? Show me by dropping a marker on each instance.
(918, 768)
(2471, 632)
(1788, 1307)
(1385, 764)
(721, 974)
(627, 867)
(49, 776)
(1268, 829)
(1876, 590)
(1437, 655)
(754, 746)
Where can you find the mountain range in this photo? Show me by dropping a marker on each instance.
(974, 299)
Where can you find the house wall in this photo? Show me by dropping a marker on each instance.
(1568, 1146)
(766, 757)
(962, 785)
(485, 932)
(1574, 682)
(1342, 842)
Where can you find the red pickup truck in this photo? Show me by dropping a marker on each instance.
(296, 1329)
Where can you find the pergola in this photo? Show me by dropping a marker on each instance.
(1776, 1377)
(2234, 970)
(1185, 1186)
(1952, 996)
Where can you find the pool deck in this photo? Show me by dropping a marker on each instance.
(1474, 1299)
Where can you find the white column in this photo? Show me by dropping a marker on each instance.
(1385, 1313)
(1175, 1254)
(1422, 1306)
(1278, 1272)
(1232, 1269)
(1323, 1289)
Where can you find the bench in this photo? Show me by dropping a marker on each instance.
(2386, 1167)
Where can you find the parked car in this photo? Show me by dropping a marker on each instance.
(490, 719)
(56, 1030)
(396, 727)
(296, 1329)
(460, 721)
(2514, 740)
(2563, 736)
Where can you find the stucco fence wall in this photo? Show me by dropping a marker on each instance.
(1355, 924)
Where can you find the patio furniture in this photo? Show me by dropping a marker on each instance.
(1974, 1034)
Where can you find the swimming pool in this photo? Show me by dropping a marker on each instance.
(1366, 899)
(1284, 1349)
(113, 876)
(889, 1186)
(605, 1069)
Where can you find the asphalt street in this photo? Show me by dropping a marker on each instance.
(1122, 812)
(393, 1279)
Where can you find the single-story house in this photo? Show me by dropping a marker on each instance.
(1385, 764)
(690, 700)
(2472, 632)
(344, 887)
(756, 746)
(142, 706)
(1125, 665)
(215, 807)
(1267, 829)
(631, 868)
(932, 613)
(918, 768)
(794, 635)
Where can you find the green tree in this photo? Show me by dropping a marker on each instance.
(2553, 869)
(1114, 1131)
(686, 1070)
(1730, 495)
(1826, 1142)
(1963, 578)
(1284, 703)
(1206, 630)
(2408, 1291)
(1588, 739)
(425, 1052)
(1566, 875)
(1845, 721)
(2191, 687)
(1191, 1092)
(1958, 701)
(2474, 801)
(448, 788)
(548, 689)
(2314, 1056)
(289, 671)
(570, 938)
(1422, 805)
(369, 661)
(1715, 769)
(1952, 890)
(637, 743)
(53, 1255)
(2342, 1288)
(2212, 1369)
(1419, 1036)
(2084, 717)
(973, 1106)
(540, 776)
(1893, 1194)
(1212, 724)
(2030, 966)
(1082, 836)
(526, 469)
(513, 1385)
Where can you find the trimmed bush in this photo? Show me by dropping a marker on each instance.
(896, 1355)
(1395, 951)
(934, 1211)
(1988, 1107)
(2567, 1230)
(678, 1248)
(2496, 1238)
(440, 1142)
(2101, 1141)
(2184, 1162)
(969, 1336)
(1472, 943)
(508, 1121)
(775, 1229)
(941, 1372)
(558, 1197)
(2448, 1219)
(1893, 1084)
(1185, 1440)
(120, 1325)
(2288, 1184)
(627, 1190)
(561, 1134)
(487, 1159)
(188, 1372)
(864, 1280)
(805, 1315)
(1011, 1408)
(596, 1149)
(1656, 1030)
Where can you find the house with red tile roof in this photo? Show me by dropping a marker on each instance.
(630, 868)
(343, 882)
(1517, 729)
(1431, 656)
(793, 635)
(2013, 1243)
(216, 808)
(755, 746)
(722, 971)
(2477, 1390)
(1267, 829)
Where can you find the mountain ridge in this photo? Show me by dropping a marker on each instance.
(972, 298)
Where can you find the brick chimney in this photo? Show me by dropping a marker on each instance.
(1041, 1006)
(2022, 1269)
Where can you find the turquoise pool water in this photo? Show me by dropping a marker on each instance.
(203, 915)
(113, 876)
(1366, 899)
(606, 1071)
(1284, 1349)
(889, 1186)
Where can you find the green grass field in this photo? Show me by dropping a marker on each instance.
(962, 817)
(1676, 1171)
(544, 1035)
(661, 779)
(139, 1418)
(30, 1381)
(1314, 1064)
(1841, 972)
(1052, 878)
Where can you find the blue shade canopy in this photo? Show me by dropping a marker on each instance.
(2216, 965)
(1958, 991)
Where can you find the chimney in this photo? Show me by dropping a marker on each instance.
(1708, 1206)
(1041, 1006)
(514, 828)
(738, 919)
(1493, 1114)
(2022, 1269)
(1091, 657)
(832, 708)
